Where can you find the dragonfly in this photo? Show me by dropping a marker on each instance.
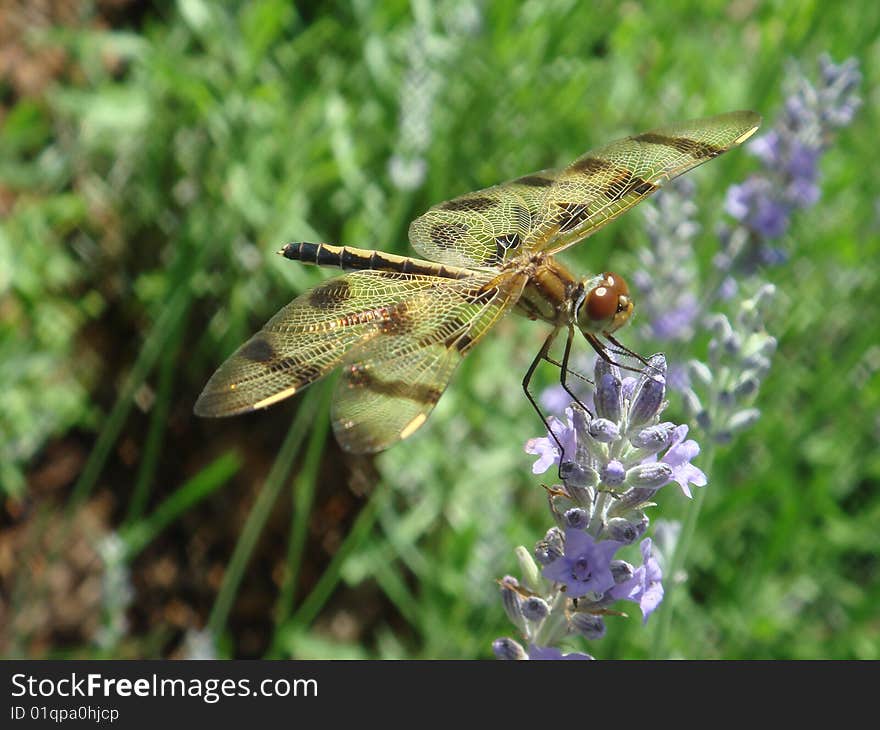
(397, 326)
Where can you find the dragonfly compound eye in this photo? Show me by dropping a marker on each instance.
(607, 306)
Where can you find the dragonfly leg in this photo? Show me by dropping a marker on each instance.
(624, 350)
(576, 374)
(602, 351)
(564, 371)
(542, 355)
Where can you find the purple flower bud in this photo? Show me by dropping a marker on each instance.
(802, 161)
(613, 473)
(511, 600)
(604, 431)
(767, 148)
(744, 419)
(746, 386)
(603, 367)
(507, 648)
(653, 438)
(649, 393)
(676, 321)
(700, 372)
(535, 608)
(725, 398)
(738, 202)
(641, 524)
(582, 495)
(652, 475)
(732, 344)
(551, 547)
(770, 219)
(576, 518)
(607, 398)
(545, 554)
(580, 420)
(588, 625)
(803, 193)
(634, 498)
(728, 289)
(621, 571)
(704, 421)
(622, 530)
(719, 326)
(574, 475)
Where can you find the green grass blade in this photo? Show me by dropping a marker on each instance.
(260, 511)
(158, 424)
(302, 499)
(202, 485)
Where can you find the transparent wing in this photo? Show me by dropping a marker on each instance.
(390, 384)
(552, 209)
(484, 228)
(398, 335)
(603, 183)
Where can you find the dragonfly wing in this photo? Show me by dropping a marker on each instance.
(311, 335)
(398, 336)
(391, 383)
(552, 209)
(484, 228)
(603, 183)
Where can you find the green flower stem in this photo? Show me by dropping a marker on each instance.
(678, 560)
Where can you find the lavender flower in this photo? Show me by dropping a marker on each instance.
(679, 456)
(545, 652)
(762, 207)
(584, 567)
(547, 449)
(667, 274)
(618, 448)
(722, 390)
(507, 648)
(612, 463)
(790, 154)
(644, 587)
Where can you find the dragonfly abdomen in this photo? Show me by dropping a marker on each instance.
(348, 258)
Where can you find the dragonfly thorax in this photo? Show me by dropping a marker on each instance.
(604, 304)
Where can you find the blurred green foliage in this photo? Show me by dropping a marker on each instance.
(151, 185)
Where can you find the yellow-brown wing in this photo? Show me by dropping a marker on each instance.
(398, 336)
(484, 228)
(600, 185)
(552, 209)
(390, 384)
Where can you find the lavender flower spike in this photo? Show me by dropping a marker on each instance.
(790, 154)
(621, 453)
(617, 459)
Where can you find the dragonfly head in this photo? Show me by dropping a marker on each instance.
(604, 305)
